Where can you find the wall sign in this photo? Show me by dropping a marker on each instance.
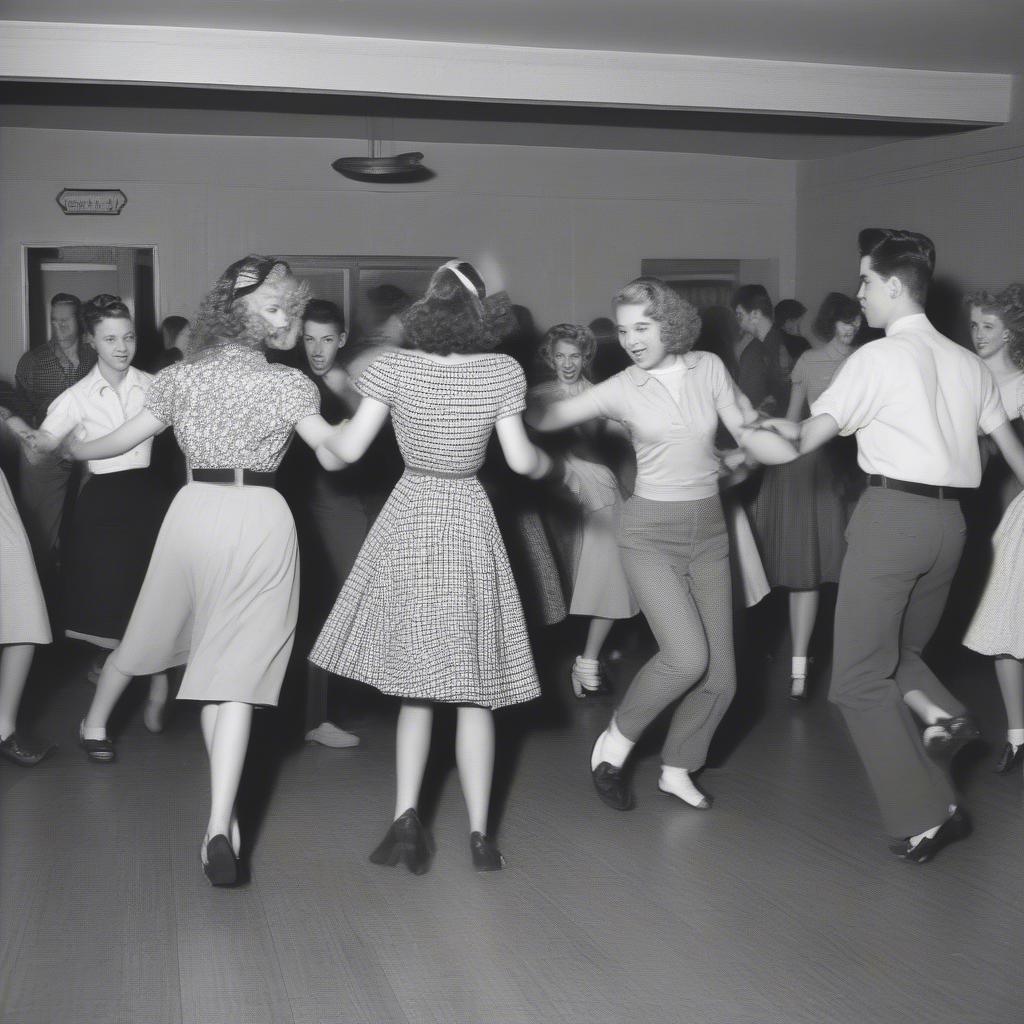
(96, 202)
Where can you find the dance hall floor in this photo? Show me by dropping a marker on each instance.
(780, 905)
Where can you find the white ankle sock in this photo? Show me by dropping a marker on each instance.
(587, 670)
(677, 781)
(612, 747)
(1015, 737)
(93, 734)
(799, 669)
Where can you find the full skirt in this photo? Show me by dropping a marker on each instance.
(430, 610)
(221, 596)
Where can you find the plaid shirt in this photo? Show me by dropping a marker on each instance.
(43, 373)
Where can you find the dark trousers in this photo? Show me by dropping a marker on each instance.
(903, 552)
(339, 524)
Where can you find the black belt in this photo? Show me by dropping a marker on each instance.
(924, 490)
(247, 477)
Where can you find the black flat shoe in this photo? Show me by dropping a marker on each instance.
(23, 751)
(1009, 759)
(405, 842)
(955, 734)
(101, 751)
(956, 826)
(612, 787)
(581, 692)
(220, 865)
(486, 856)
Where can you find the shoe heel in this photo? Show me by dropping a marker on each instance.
(221, 865)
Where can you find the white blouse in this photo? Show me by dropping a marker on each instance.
(98, 409)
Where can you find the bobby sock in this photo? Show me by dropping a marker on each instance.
(677, 781)
(799, 669)
(1015, 737)
(612, 747)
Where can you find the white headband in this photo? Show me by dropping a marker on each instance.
(453, 266)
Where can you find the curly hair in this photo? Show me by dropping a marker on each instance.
(836, 308)
(449, 318)
(574, 334)
(1008, 305)
(103, 307)
(680, 322)
(224, 320)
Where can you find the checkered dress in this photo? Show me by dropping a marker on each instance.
(430, 610)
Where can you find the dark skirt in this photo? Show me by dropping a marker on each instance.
(117, 519)
(800, 518)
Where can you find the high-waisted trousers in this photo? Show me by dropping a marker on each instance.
(676, 557)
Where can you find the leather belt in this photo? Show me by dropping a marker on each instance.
(439, 474)
(910, 487)
(237, 477)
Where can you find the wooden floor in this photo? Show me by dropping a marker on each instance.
(780, 905)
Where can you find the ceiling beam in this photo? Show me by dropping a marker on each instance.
(286, 61)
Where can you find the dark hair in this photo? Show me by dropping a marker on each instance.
(836, 308)
(604, 330)
(223, 319)
(66, 299)
(171, 327)
(1008, 305)
(384, 301)
(908, 255)
(788, 309)
(753, 298)
(575, 334)
(451, 318)
(680, 322)
(323, 311)
(718, 333)
(103, 307)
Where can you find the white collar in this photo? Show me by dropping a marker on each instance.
(94, 381)
(905, 321)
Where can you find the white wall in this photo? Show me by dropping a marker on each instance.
(966, 192)
(569, 226)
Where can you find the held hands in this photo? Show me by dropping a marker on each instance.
(783, 427)
(767, 446)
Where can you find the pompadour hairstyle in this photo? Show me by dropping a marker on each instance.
(908, 255)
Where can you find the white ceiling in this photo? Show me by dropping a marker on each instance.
(948, 35)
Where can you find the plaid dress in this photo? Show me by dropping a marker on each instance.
(430, 610)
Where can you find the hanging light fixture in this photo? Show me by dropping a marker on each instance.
(377, 167)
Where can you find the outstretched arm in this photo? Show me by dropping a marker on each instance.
(1013, 451)
(139, 428)
(348, 441)
(568, 412)
(521, 454)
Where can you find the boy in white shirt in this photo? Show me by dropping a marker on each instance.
(916, 402)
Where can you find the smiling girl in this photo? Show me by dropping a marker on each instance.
(119, 510)
(673, 538)
(600, 590)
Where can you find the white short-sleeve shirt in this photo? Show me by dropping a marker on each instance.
(98, 408)
(917, 402)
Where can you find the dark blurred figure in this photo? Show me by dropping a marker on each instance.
(788, 314)
(175, 337)
(756, 318)
(609, 359)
